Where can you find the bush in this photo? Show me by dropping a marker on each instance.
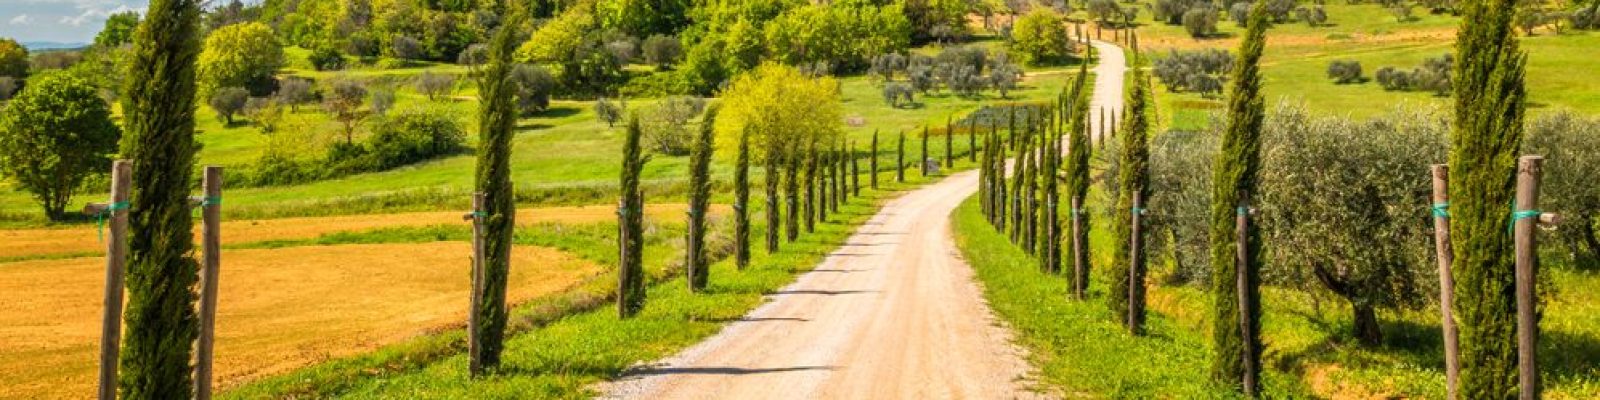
(13, 58)
(327, 58)
(434, 85)
(228, 102)
(1280, 10)
(264, 113)
(1345, 71)
(1314, 15)
(1041, 37)
(414, 135)
(884, 66)
(608, 111)
(1393, 79)
(1004, 75)
(666, 128)
(662, 51)
(1240, 13)
(475, 55)
(624, 50)
(1433, 75)
(1172, 11)
(1200, 22)
(1571, 146)
(899, 94)
(534, 85)
(406, 48)
(53, 136)
(382, 100)
(294, 92)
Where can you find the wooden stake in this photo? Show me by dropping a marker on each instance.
(474, 356)
(1529, 171)
(116, 258)
(1447, 282)
(211, 250)
(1246, 301)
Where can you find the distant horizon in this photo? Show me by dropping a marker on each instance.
(60, 21)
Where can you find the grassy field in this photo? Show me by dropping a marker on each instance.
(1297, 57)
(1309, 350)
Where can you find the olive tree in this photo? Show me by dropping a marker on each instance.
(434, 85)
(228, 102)
(666, 127)
(1345, 71)
(53, 136)
(1200, 21)
(1571, 146)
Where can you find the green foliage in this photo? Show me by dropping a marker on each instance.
(243, 55)
(1490, 101)
(937, 19)
(839, 35)
(412, 136)
(781, 110)
(1194, 71)
(53, 136)
(1345, 71)
(1433, 75)
(435, 85)
(1079, 149)
(741, 201)
(697, 264)
(1571, 144)
(265, 113)
(609, 111)
(343, 100)
(1233, 180)
(662, 50)
(534, 87)
(13, 58)
(1133, 178)
(1200, 22)
(228, 101)
(666, 128)
(497, 122)
(159, 120)
(642, 18)
(1041, 37)
(631, 285)
(118, 30)
(327, 58)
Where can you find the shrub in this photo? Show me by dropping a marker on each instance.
(434, 85)
(1200, 22)
(474, 55)
(1314, 15)
(898, 94)
(1280, 10)
(294, 92)
(1433, 75)
(1571, 146)
(1004, 75)
(382, 100)
(13, 58)
(327, 58)
(264, 113)
(1194, 71)
(1172, 11)
(54, 135)
(406, 48)
(662, 50)
(1345, 71)
(609, 111)
(1401, 11)
(666, 128)
(1041, 37)
(624, 49)
(884, 66)
(228, 102)
(344, 99)
(534, 85)
(1240, 13)
(414, 135)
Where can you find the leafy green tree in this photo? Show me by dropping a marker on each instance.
(698, 265)
(1571, 146)
(1234, 179)
(435, 85)
(265, 113)
(1490, 103)
(497, 122)
(642, 18)
(608, 111)
(159, 107)
(53, 136)
(13, 58)
(327, 58)
(344, 100)
(1133, 177)
(118, 30)
(782, 110)
(631, 290)
(534, 87)
(662, 50)
(1200, 22)
(228, 101)
(1041, 37)
(242, 55)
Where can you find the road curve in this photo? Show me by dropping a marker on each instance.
(894, 313)
(1108, 75)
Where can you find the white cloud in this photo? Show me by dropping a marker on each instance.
(23, 19)
(94, 14)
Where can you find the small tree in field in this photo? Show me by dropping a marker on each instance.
(228, 102)
(435, 85)
(53, 136)
(344, 100)
(1200, 22)
(608, 111)
(294, 92)
(1345, 71)
(1041, 37)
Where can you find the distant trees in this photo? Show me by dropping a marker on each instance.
(118, 30)
(899, 94)
(294, 92)
(1345, 71)
(242, 55)
(344, 100)
(1434, 75)
(1194, 71)
(1313, 15)
(666, 128)
(53, 136)
(13, 59)
(265, 113)
(434, 85)
(662, 51)
(1041, 37)
(608, 111)
(228, 101)
(1200, 21)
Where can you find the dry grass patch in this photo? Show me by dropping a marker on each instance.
(279, 309)
(15, 244)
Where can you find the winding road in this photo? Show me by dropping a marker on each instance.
(894, 313)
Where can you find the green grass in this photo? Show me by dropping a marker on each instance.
(561, 345)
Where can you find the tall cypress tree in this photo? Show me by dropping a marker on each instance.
(791, 185)
(949, 143)
(809, 206)
(855, 171)
(1233, 177)
(821, 172)
(695, 262)
(1078, 149)
(1490, 104)
(1030, 189)
(841, 158)
(872, 170)
(972, 138)
(1133, 176)
(900, 159)
(741, 202)
(1051, 240)
(630, 275)
(923, 161)
(159, 122)
(774, 164)
(497, 118)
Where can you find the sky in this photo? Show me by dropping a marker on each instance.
(70, 21)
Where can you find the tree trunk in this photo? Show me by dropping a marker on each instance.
(1366, 324)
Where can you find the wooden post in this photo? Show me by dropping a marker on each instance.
(474, 356)
(1078, 268)
(1447, 282)
(1246, 301)
(211, 250)
(1529, 171)
(116, 258)
(1136, 265)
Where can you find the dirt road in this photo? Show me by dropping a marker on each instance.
(1105, 103)
(892, 314)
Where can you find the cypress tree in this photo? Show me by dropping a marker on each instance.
(791, 183)
(949, 143)
(900, 159)
(809, 206)
(922, 162)
(841, 175)
(823, 171)
(774, 162)
(1133, 176)
(1078, 149)
(972, 138)
(741, 202)
(855, 171)
(1233, 178)
(1490, 104)
(983, 187)
(630, 275)
(1030, 190)
(695, 262)
(497, 118)
(1017, 179)
(159, 122)
(872, 171)
(1051, 240)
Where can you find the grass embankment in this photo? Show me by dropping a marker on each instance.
(561, 345)
(1309, 350)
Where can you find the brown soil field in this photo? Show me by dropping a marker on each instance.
(16, 244)
(278, 309)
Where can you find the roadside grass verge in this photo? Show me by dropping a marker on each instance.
(559, 346)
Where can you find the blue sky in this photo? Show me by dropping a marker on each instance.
(59, 20)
